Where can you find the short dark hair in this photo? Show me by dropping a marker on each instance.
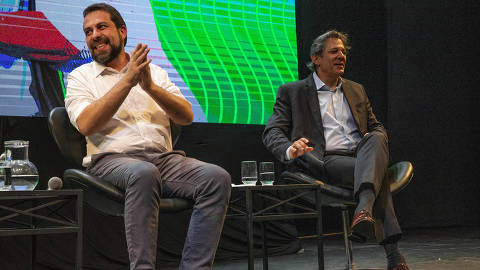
(318, 44)
(114, 14)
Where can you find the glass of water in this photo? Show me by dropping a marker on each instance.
(267, 173)
(5, 176)
(249, 172)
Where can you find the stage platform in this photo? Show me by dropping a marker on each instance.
(424, 249)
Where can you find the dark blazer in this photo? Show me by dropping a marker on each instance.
(296, 114)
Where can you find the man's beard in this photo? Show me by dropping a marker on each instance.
(104, 59)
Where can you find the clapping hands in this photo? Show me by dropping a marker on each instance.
(138, 70)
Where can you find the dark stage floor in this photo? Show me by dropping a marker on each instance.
(424, 249)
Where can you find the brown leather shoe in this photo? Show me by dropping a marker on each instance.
(363, 227)
(400, 266)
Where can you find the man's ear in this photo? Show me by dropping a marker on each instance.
(315, 58)
(123, 32)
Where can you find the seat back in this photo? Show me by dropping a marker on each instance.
(175, 131)
(70, 142)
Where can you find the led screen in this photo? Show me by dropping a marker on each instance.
(227, 57)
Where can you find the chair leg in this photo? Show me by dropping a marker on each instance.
(249, 205)
(348, 244)
(318, 208)
(264, 245)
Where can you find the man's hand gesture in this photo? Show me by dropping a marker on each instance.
(146, 81)
(299, 148)
(137, 64)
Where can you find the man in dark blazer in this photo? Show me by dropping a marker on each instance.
(324, 125)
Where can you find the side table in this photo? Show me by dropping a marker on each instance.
(37, 212)
(252, 215)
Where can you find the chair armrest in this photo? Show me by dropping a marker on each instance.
(97, 193)
(399, 175)
(301, 178)
(94, 183)
(109, 199)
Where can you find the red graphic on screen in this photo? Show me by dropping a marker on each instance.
(31, 36)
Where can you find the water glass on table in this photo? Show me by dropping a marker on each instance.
(267, 173)
(249, 172)
(5, 177)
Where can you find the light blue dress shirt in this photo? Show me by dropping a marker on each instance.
(339, 128)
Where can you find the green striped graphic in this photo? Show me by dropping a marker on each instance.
(233, 55)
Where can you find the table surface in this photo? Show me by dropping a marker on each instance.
(41, 192)
(275, 187)
(31, 194)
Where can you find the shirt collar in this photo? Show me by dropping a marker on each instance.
(100, 68)
(319, 83)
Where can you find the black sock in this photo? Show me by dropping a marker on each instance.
(366, 199)
(394, 257)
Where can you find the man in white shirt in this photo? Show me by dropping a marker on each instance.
(123, 105)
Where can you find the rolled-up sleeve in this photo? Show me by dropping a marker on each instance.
(79, 96)
(160, 77)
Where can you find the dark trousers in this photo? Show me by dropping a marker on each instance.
(147, 177)
(366, 168)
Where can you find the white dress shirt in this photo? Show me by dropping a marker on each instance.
(139, 124)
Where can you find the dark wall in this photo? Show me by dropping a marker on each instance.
(364, 21)
(224, 144)
(433, 93)
(417, 61)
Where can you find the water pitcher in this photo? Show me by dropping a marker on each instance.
(16, 171)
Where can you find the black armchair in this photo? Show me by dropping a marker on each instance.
(98, 194)
(399, 175)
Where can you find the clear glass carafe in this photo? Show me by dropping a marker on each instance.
(17, 172)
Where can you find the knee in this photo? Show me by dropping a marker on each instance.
(217, 182)
(378, 138)
(145, 178)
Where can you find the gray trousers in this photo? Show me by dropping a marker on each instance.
(147, 177)
(367, 169)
